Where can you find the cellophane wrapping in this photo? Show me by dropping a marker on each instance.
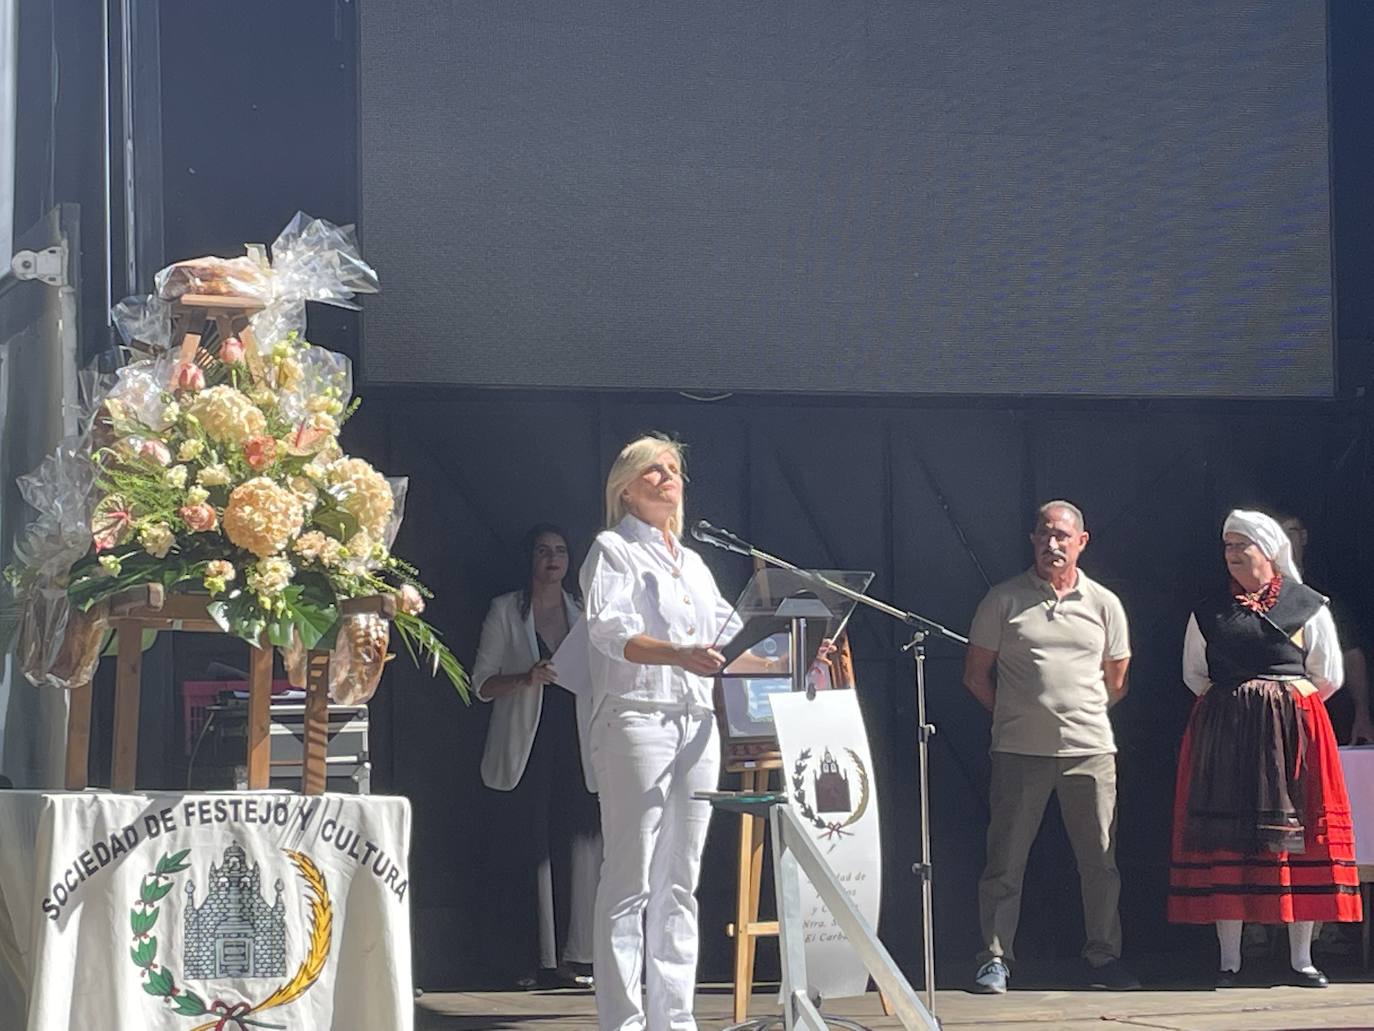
(312, 260)
(355, 664)
(58, 645)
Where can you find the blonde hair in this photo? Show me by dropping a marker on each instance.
(629, 465)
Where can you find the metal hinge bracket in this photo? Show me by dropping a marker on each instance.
(49, 265)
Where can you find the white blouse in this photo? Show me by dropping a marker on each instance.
(634, 585)
(1324, 665)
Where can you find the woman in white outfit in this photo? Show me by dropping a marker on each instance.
(653, 612)
(536, 745)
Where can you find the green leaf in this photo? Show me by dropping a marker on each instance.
(90, 583)
(243, 618)
(334, 520)
(142, 921)
(144, 953)
(312, 623)
(189, 1004)
(159, 983)
(156, 892)
(174, 863)
(427, 651)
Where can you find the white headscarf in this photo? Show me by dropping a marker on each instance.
(1269, 535)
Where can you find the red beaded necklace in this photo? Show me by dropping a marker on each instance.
(1260, 601)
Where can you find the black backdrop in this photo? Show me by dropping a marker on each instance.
(826, 482)
(935, 500)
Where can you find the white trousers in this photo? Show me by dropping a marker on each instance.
(584, 868)
(648, 763)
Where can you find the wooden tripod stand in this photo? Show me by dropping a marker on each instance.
(149, 608)
(747, 929)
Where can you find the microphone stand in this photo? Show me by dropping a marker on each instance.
(921, 628)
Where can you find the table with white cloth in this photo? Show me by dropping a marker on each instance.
(206, 912)
(1357, 764)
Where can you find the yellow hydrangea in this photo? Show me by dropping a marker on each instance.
(216, 475)
(262, 517)
(270, 576)
(314, 546)
(305, 490)
(227, 415)
(363, 493)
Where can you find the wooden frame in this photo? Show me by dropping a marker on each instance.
(149, 608)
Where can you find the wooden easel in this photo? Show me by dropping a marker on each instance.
(149, 608)
(747, 929)
(193, 315)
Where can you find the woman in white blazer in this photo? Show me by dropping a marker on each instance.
(535, 749)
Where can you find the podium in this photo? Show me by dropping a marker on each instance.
(770, 645)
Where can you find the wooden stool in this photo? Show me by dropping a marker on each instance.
(148, 607)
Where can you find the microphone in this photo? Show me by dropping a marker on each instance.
(714, 535)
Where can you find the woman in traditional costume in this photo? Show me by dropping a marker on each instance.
(1262, 827)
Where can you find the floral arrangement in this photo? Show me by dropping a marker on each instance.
(220, 472)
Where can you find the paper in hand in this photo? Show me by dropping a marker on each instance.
(571, 661)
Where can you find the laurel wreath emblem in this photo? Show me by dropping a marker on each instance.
(829, 829)
(161, 982)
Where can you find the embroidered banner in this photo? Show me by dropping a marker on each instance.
(828, 774)
(211, 912)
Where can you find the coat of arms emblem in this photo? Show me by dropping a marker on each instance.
(234, 933)
(832, 791)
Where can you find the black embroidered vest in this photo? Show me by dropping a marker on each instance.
(1244, 645)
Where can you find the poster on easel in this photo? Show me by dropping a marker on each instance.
(828, 775)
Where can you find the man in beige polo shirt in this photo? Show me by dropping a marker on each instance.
(1047, 657)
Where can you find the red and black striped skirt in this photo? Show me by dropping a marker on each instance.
(1262, 827)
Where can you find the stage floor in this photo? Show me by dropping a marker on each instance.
(1344, 1006)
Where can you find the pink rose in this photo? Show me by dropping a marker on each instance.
(260, 452)
(190, 377)
(231, 351)
(409, 600)
(199, 518)
(155, 450)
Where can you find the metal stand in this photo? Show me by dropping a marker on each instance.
(921, 629)
(923, 868)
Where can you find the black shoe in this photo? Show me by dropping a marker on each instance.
(1309, 978)
(552, 978)
(581, 975)
(1113, 977)
(1228, 979)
